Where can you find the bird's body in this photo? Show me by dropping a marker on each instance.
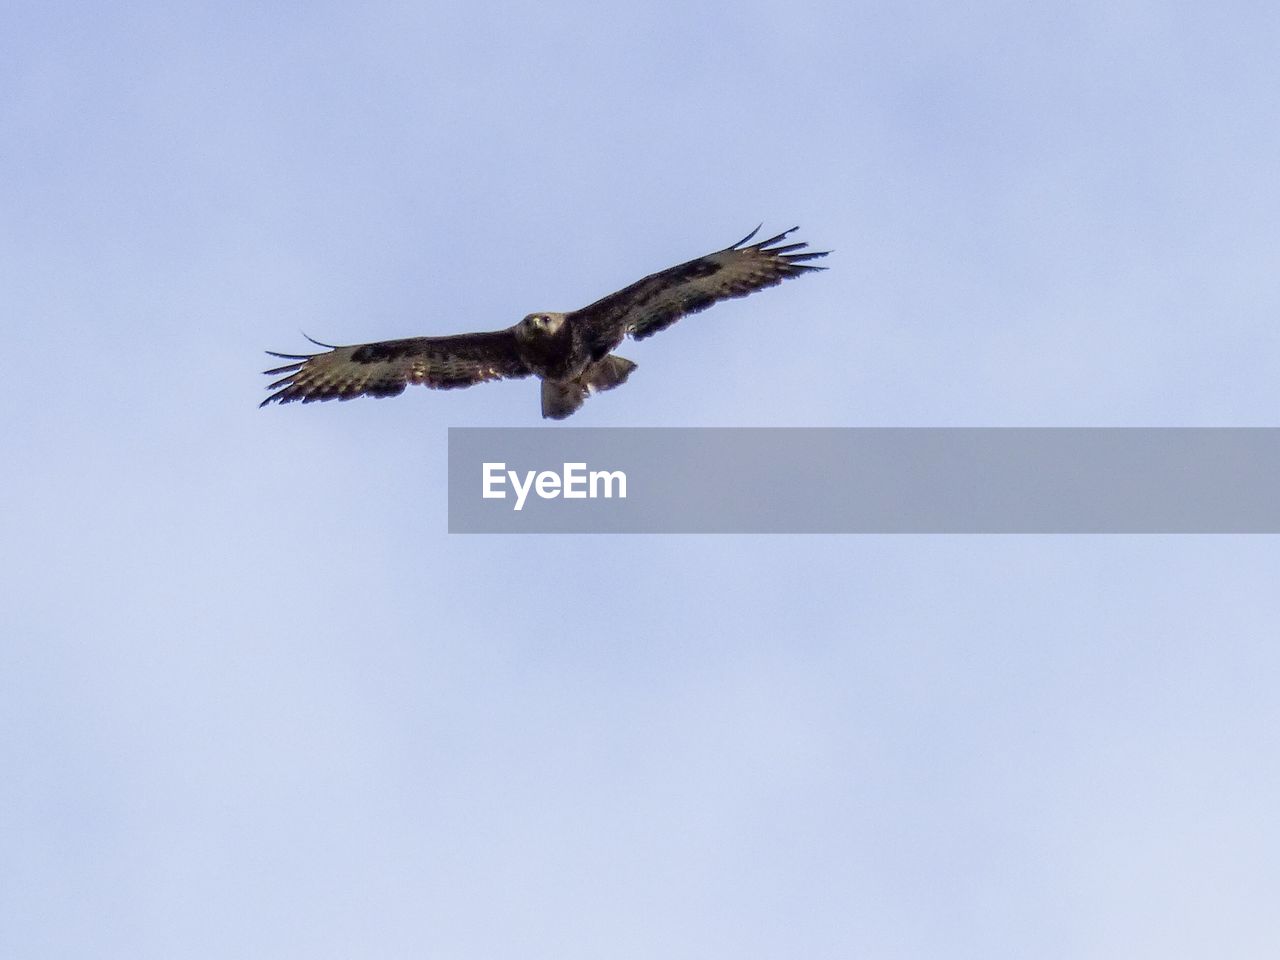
(550, 347)
(569, 352)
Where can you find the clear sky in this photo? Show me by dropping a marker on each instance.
(255, 701)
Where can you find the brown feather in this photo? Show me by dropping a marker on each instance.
(659, 300)
(385, 368)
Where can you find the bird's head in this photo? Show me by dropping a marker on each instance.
(537, 325)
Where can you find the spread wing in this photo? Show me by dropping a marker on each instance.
(385, 369)
(659, 300)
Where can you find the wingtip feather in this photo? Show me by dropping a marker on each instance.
(289, 356)
(287, 368)
(782, 236)
(747, 237)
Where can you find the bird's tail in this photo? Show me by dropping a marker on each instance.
(560, 398)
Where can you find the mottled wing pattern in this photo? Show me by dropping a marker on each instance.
(659, 300)
(385, 369)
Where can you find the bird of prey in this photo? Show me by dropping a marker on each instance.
(570, 352)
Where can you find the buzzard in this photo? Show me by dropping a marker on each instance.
(570, 352)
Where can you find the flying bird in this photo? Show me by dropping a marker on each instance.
(570, 352)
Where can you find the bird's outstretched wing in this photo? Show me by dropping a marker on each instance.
(659, 300)
(385, 369)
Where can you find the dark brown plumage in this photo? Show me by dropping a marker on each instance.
(569, 352)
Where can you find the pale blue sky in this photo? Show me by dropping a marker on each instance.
(256, 702)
